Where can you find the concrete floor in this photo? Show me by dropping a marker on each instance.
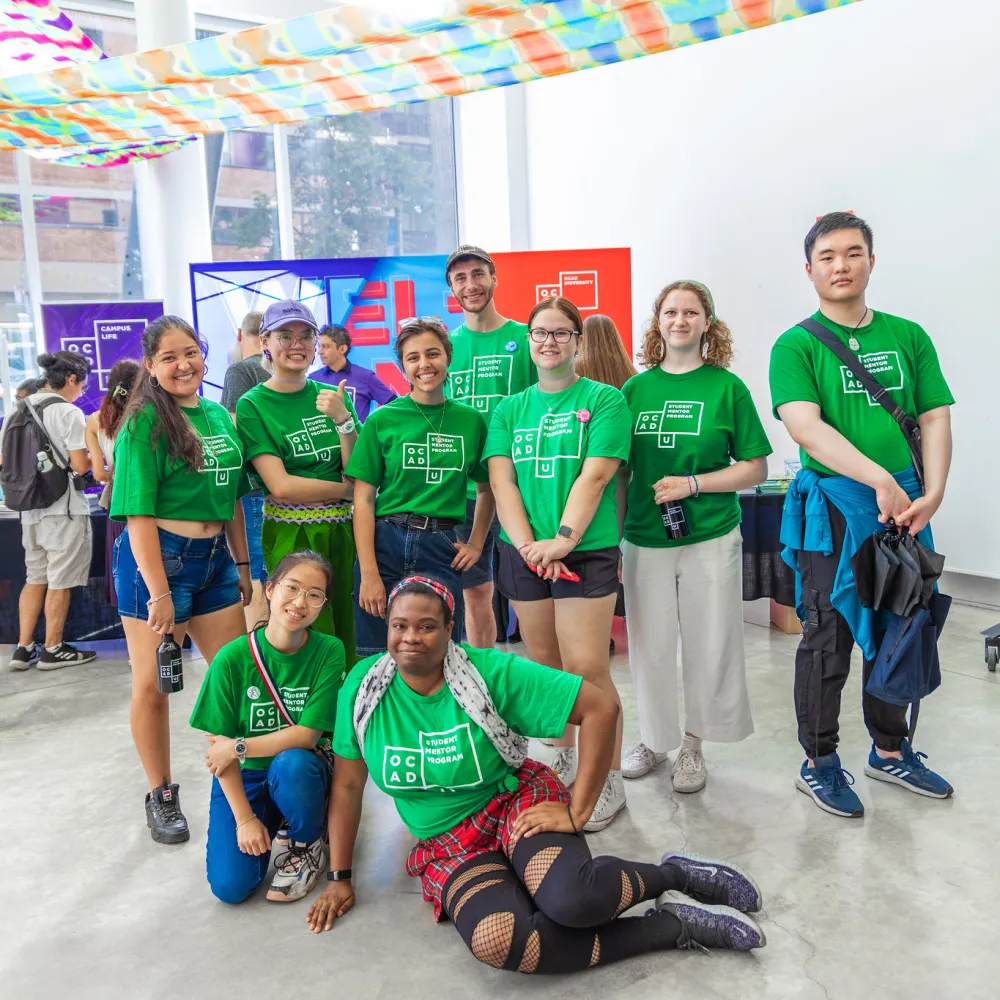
(902, 904)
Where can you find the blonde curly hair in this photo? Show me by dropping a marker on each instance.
(716, 342)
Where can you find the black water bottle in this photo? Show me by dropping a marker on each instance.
(169, 672)
(674, 522)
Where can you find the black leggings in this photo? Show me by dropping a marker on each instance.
(554, 908)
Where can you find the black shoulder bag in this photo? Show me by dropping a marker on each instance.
(909, 426)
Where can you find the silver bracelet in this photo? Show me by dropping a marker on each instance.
(153, 600)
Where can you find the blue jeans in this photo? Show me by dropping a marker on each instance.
(293, 787)
(253, 512)
(402, 552)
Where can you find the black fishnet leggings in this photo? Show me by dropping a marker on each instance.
(554, 908)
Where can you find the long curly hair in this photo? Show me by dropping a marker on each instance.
(716, 342)
(183, 444)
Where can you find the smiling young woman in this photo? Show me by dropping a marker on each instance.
(501, 853)
(177, 479)
(410, 468)
(278, 775)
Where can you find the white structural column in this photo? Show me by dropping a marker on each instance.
(283, 185)
(175, 228)
(32, 267)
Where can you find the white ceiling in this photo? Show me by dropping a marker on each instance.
(280, 10)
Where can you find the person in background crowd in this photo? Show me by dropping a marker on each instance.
(57, 539)
(363, 386)
(241, 377)
(501, 852)
(602, 354)
(410, 469)
(178, 474)
(855, 462)
(28, 387)
(278, 775)
(490, 361)
(554, 451)
(101, 428)
(298, 435)
(696, 440)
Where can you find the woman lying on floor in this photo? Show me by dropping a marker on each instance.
(501, 853)
(266, 701)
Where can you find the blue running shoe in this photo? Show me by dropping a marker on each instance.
(830, 786)
(715, 882)
(910, 772)
(704, 926)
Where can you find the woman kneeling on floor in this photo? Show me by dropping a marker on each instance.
(501, 853)
(279, 684)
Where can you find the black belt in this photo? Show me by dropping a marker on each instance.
(420, 522)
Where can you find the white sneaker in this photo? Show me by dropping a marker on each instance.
(610, 803)
(638, 760)
(296, 871)
(564, 764)
(689, 773)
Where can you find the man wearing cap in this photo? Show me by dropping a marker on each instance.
(490, 361)
(363, 385)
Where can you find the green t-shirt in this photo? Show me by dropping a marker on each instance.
(233, 700)
(898, 353)
(287, 424)
(426, 753)
(419, 457)
(148, 482)
(544, 433)
(488, 367)
(683, 425)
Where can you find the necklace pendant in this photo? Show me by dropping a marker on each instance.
(853, 344)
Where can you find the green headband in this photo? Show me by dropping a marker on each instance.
(704, 290)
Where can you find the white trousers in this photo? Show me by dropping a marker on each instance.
(694, 592)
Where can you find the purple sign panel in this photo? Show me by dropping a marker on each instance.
(105, 332)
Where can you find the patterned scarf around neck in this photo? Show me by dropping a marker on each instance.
(469, 690)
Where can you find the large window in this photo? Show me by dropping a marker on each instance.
(375, 184)
(245, 213)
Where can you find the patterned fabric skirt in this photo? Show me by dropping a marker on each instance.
(328, 531)
(490, 829)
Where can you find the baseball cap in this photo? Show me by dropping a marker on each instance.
(468, 250)
(288, 311)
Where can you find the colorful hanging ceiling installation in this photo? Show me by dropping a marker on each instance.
(352, 58)
(36, 35)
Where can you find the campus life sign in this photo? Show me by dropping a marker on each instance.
(371, 296)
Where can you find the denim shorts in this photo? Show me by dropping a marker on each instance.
(253, 511)
(482, 570)
(200, 572)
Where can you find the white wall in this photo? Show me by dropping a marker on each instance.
(713, 161)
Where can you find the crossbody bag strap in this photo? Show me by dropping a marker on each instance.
(874, 388)
(265, 675)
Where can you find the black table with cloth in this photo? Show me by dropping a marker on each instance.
(91, 617)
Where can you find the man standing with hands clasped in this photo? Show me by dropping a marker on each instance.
(855, 459)
(489, 362)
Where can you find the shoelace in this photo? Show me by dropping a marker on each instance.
(842, 778)
(914, 760)
(688, 762)
(170, 810)
(684, 941)
(563, 762)
(296, 858)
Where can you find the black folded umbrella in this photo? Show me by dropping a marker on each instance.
(895, 572)
(906, 584)
(931, 565)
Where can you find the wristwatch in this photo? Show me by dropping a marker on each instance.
(241, 749)
(341, 875)
(565, 531)
(347, 427)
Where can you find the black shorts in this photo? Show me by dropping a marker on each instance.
(482, 571)
(596, 568)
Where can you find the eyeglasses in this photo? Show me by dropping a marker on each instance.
(288, 339)
(540, 335)
(290, 591)
(436, 320)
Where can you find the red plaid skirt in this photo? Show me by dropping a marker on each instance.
(488, 830)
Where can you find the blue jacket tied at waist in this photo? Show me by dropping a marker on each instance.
(805, 527)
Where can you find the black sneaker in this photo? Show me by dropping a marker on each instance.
(705, 926)
(164, 818)
(24, 657)
(64, 655)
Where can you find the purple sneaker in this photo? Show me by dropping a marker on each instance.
(715, 882)
(704, 926)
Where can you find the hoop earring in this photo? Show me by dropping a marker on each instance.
(154, 381)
